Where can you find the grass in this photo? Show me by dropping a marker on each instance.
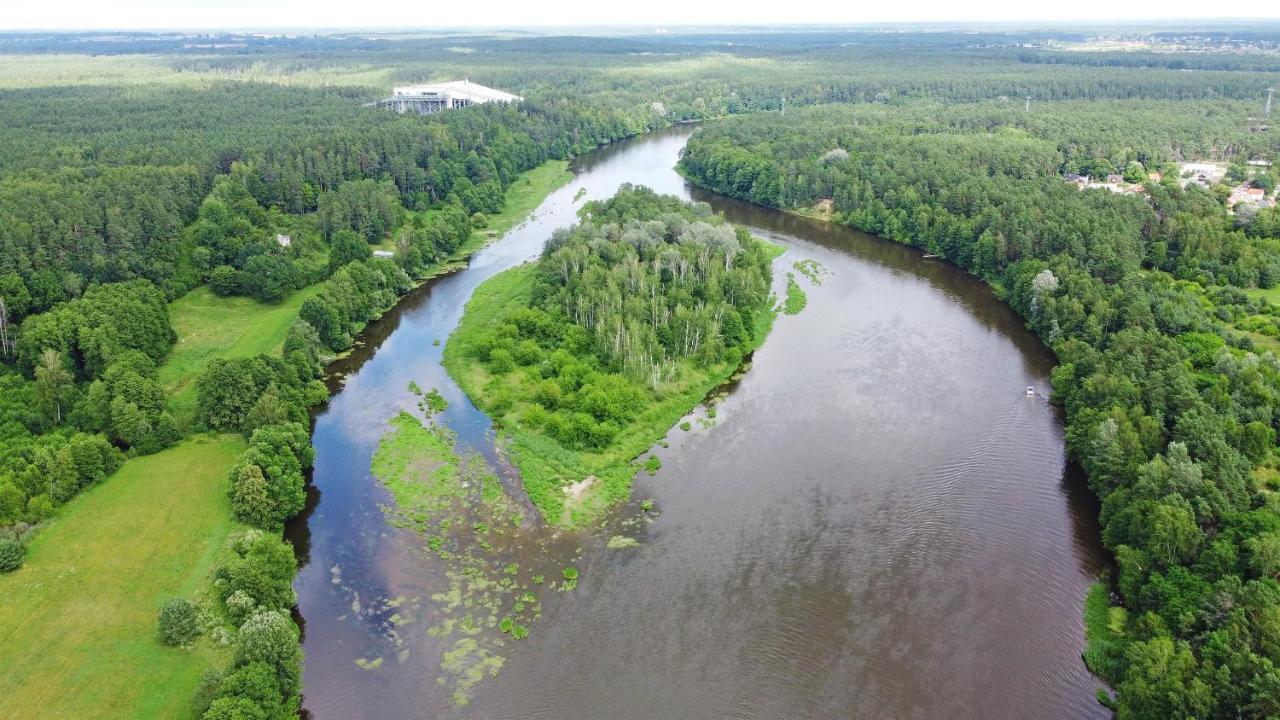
(78, 621)
(796, 297)
(211, 327)
(1104, 632)
(417, 464)
(546, 467)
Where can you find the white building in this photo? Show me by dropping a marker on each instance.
(432, 98)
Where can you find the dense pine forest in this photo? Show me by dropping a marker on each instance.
(144, 174)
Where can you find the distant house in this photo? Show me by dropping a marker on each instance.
(1248, 195)
(383, 254)
(283, 240)
(1115, 179)
(1080, 181)
(1203, 173)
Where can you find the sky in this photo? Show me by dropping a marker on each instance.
(412, 14)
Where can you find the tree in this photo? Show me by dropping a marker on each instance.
(251, 499)
(347, 247)
(269, 277)
(271, 638)
(224, 280)
(54, 383)
(1134, 172)
(269, 410)
(177, 623)
(12, 553)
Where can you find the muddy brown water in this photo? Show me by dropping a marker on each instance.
(878, 521)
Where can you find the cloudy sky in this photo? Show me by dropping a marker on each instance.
(213, 14)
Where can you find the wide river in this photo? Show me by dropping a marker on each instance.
(879, 523)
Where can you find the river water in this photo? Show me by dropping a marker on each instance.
(878, 522)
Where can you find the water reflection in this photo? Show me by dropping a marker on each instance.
(877, 521)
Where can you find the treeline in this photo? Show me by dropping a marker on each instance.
(985, 186)
(1169, 412)
(92, 392)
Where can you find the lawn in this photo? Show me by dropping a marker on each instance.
(77, 622)
(212, 327)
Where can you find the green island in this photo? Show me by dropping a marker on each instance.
(589, 356)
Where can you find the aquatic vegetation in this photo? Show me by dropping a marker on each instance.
(621, 542)
(812, 269)
(652, 465)
(435, 401)
(686, 426)
(796, 297)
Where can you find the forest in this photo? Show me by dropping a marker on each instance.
(625, 321)
(1169, 408)
(256, 171)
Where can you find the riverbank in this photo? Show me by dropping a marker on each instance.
(186, 486)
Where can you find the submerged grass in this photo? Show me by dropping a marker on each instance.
(796, 297)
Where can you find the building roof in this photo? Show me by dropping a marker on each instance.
(463, 89)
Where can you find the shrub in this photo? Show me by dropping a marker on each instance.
(177, 623)
(224, 280)
(12, 553)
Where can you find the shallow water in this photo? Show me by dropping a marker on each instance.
(877, 522)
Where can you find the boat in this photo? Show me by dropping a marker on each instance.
(1031, 390)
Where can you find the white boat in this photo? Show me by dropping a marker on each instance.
(1031, 390)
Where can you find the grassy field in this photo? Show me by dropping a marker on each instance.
(546, 467)
(212, 327)
(78, 621)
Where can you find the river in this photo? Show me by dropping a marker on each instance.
(879, 522)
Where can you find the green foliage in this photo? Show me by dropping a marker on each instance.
(796, 297)
(177, 622)
(347, 246)
(257, 575)
(1167, 410)
(224, 280)
(12, 553)
(267, 486)
(596, 350)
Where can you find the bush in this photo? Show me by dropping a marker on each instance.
(478, 220)
(12, 553)
(177, 622)
(224, 280)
